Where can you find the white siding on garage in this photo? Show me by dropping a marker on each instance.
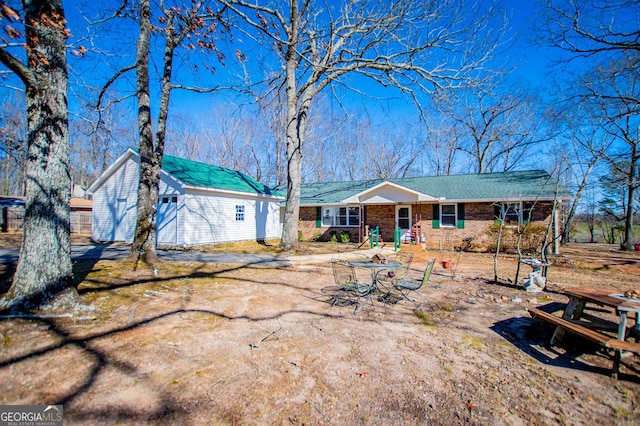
(190, 217)
(211, 219)
(272, 225)
(123, 186)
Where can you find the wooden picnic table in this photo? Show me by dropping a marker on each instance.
(615, 312)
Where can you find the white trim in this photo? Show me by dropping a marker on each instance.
(333, 208)
(231, 192)
(455, 212)
(110, 170)
(357, 198)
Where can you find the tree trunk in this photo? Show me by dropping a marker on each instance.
(144, 240)
(631, 193)
(44, 270)
(294, 140)
(566, 231)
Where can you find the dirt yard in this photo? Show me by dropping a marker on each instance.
(225, 345)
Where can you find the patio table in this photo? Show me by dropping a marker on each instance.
(375, 267)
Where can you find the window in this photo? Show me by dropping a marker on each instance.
(327, 217)
(448, 215)
(403, 217)
(239, 213)
(167, 200)
(340, 216)
(513, 213)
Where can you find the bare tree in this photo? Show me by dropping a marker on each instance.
(442, 138)
(186, 137)
(618, 98)
(591, 28)
(583, 145)
(496, 131)
(97, 143)
(44, 269)
(13, 146)
(190, 27)
(602, 41)
(413, 46)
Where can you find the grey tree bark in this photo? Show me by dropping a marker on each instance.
(144, 240)
(44, 270)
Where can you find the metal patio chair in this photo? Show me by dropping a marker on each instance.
(388, 278)
(406, 286)
(348, 290)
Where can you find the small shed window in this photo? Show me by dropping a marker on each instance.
(239, 213)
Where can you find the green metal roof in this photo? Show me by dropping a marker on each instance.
(194, 173)
(531, 184)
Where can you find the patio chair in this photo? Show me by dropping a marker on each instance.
(348, 290)
(388, 279)
(406, 286)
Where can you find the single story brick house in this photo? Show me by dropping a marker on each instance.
(445, 209)
(198, 203)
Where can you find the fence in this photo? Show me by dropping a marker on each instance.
(13, 218)
(81, 222)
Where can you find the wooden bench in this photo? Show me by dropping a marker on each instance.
(570, 326)
(545, 313)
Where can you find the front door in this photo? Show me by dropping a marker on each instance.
(403, 218)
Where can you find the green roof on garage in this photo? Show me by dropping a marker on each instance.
(194, 173)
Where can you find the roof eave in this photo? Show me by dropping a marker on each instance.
(355, 199)
(110, 170)
(231, 192)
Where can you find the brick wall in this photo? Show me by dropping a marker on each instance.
(478, 219)
(383, 216)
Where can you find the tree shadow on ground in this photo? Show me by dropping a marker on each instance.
(170, 411)
(532, 338)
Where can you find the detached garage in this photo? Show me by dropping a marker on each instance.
(197, 204)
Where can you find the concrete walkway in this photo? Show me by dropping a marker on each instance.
(120, 251)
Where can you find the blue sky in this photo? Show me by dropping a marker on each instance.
(531, 69)
(94, 70)
(532, 59)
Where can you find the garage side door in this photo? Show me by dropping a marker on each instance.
(167, 219)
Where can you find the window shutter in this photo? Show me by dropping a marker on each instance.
(435, 223)
(497, 213)
(527, 208)
(318, 217)
(460, 215)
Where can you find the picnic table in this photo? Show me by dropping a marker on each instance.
(607, 325)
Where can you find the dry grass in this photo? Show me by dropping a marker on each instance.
(204, 343)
